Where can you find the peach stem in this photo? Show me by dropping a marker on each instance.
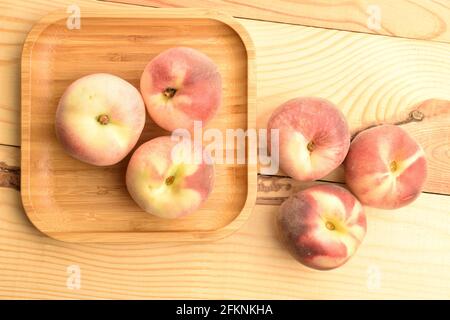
(170, 180)
(330, 226)
(311, 146)
(169, 92)
(103, 119)
(393, 166)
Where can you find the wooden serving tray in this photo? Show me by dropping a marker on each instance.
(73, 201)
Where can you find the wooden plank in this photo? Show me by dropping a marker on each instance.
(372, 79)
(382, 84)
(405, 255)
(394, 18)
(9, 167)
(399, 18)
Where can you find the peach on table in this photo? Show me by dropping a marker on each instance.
(322, 226)
(313, 137)
(385, 167)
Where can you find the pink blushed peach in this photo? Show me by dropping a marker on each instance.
(385, 167)
(179, 86)
(313, 137)
(164, 179)
(322, 226)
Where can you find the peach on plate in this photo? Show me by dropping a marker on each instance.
(385, 167)
(99, 119)
(313, 137)
(322, 226)
(179, 86)
(164, 178)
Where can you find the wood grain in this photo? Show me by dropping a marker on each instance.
(16, 20)
(9, 167)
(397, 18)
(405, 254)
(372, 79)
(73, 201)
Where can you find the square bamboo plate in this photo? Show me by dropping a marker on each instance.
(73, 201)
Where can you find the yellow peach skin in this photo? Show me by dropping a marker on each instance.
(99, 119)
(322, 226)
(385, 168)
(179, 86)
(164, 180)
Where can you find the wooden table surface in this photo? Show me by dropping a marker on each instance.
(406, 253)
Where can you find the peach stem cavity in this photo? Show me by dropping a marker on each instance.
(103, 119)
(169, 92)
(393, 166)
(330, 226)
(311, 146)
(170, 180)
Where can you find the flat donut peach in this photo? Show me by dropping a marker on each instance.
(313, 137)
(322, 226)
(179, 86)
(99, 119)
(385, 167)
(164, 180)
